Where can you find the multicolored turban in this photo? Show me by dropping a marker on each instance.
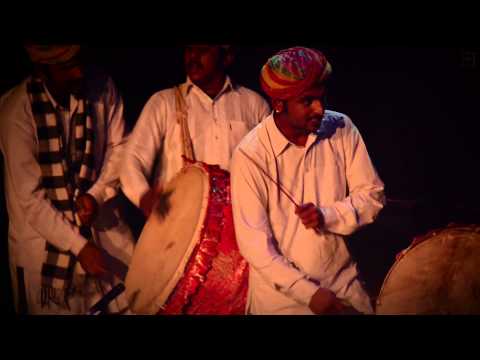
(291, 71)
(51, 54)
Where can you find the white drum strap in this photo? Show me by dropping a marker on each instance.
(182, 116)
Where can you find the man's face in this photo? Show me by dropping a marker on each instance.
(305, 112)
(66, 78)
(203, 63)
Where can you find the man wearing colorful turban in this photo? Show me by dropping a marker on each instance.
(61, 135)
(301, 181)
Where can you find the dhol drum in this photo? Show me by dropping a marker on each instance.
(186, 260)
(438, 274)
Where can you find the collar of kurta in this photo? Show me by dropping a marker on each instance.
(279, 142)
(73, 102)
(189, 85)
(330, 124)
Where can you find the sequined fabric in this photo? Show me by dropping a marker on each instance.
(215, 281)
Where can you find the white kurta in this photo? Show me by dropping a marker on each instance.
(289, 262)
(216, 126)
(33, 219)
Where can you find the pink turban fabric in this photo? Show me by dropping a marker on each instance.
(291, 71)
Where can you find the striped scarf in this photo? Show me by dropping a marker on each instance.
(66, 173)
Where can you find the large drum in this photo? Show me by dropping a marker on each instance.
(438, 274)
(186, 260)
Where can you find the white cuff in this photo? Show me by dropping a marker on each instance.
(329, 216)
(102, 195)
(137, 195)
(78, 245)
(302, 291)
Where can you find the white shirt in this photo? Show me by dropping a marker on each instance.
(288, 263)
(216, 126)
(66, 114)
(32, 217)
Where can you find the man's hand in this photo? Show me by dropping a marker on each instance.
(324, 302)
(93, 261)
(150, 198)
(311, 216)
(87, 208)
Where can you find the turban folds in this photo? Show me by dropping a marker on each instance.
(51, 54)
(291, 71)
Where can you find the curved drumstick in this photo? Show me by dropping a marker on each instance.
(280, 187)
(100, 306)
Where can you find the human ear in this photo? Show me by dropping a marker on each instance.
(229, 58)
(278, 106)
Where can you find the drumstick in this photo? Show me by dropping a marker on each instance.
(317, 230)
(100, 306)
(271, 179)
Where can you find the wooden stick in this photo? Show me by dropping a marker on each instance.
(271, 179)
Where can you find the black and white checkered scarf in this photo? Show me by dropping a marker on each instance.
(66, 173)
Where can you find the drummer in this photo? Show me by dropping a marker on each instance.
(210, 113)
(301, 180)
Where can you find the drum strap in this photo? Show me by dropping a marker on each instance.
(182, 116)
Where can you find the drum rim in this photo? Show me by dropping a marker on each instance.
(162, 298)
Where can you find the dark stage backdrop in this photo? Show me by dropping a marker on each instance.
(417, 109)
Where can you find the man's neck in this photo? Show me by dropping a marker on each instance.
(296, 137)
(213, 86)
(60, 97)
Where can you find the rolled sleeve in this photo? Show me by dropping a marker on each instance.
(18, 140)
(366, 190)
(141, 150)
(108, 181)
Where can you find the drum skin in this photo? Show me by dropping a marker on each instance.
(438, 274)
(166, 242)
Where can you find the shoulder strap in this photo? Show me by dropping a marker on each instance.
(182, 115)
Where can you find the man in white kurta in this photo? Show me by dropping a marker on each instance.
(219, 114)
(290, 262)
(33, 220)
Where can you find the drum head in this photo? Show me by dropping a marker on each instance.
(167, 241)
(440, 275)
